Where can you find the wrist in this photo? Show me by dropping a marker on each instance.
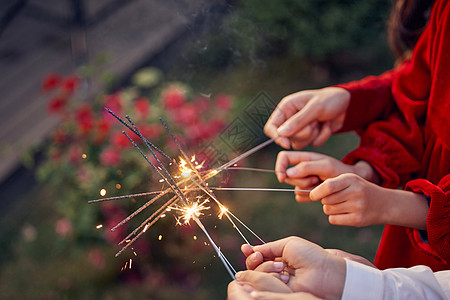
(409, 209)
(366, 171)
(334, 277)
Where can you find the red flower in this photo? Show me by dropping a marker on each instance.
(186, 115)
(85, 118)
(70, 83)
(149, 131)
(120, 141)
(59, 137)
(223, 101)
(110, 157)
(103, 127)
(51, 82)
(142, 107)
(173, 97)
(56, 105)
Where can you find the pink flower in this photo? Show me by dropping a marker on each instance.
(74, 155)
(96, 258)
(63, 227)
(110, 157)
(51, 82)
(186, 114)
(173, 97)
(56, 105)
(142, 107)
(202, 104)
(223, 101)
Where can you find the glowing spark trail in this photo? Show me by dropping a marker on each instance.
(192, 180)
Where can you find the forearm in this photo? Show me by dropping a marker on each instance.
(405, 208)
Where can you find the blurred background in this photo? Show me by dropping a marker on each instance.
(213, 70)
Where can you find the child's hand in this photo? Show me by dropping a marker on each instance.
(351, 200)
(309, 170)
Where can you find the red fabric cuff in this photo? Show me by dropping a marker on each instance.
(438, 220)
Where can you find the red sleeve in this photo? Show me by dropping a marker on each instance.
(396, 146)
(371, 99)
(438, 220)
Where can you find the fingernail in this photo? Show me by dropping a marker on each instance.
(254, 294)
(278, 265)
(238, 275)
(283, 129)
(248, 288)
(291, 172)
(284, 278)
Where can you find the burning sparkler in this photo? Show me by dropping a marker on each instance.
(189, 179)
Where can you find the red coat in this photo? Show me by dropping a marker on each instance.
(405, 136)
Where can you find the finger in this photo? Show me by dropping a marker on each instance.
(262, 281)
(270, 267)
(254, 260)
(308, 114)
(246, 249)
(287, 158)
(337, 209)
(303, 183)
(282, 296)
(349, 219)
(237, 291)
(357, 258)
(324, 168)
(302, 198)
(273, 250)
(324, 135)
(330, 186)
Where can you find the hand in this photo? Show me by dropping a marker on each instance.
(351, 200)
(310, 268)
(310, 169)
(308, 117)
(244, 291)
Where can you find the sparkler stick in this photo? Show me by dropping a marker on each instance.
(257, 189)
(252, 169)
(205, 187)
(244, 155)
(198, 189)
(169, 180)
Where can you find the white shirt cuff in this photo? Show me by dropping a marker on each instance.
(362, 282)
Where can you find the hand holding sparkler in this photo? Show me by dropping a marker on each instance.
(307, 265)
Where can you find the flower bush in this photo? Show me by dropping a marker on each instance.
(88, 155)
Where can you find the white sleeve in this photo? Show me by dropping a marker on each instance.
(419, 282)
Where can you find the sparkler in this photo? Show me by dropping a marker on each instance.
(193, 180)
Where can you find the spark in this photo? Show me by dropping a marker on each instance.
(99, 226)
(190, 211)
(160, 237)
(103, 192)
